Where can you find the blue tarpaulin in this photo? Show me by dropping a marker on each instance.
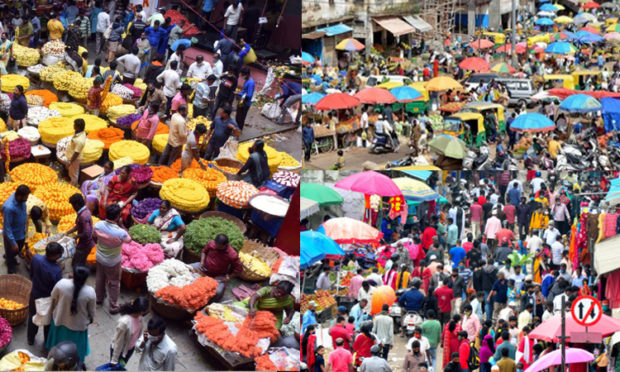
(335, 30)
(611, 113)
(419, 174)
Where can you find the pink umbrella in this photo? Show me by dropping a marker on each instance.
(554, 358)
(481, 44)
(345, 230)
(551, 329)
(370, 183)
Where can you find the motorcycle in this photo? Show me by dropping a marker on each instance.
(395, 311)
(381, 144)
(411, 320)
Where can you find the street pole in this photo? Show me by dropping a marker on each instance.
(514, 33)
(563, 369)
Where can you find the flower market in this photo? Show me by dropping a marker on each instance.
(149, 187)
(413, 270)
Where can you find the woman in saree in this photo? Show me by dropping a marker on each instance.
(171, 227)
(122, 190)
(363, 342)
(94, 188)
(276, 299)
(450, 339)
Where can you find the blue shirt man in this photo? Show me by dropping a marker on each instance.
(248, 91)
(15, 214)
(308, 319)
(411, 300)
(457, 254)
(155, 35)
(500, 290)
(514, 196)
(453, 232)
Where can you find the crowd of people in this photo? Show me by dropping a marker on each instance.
(480, 272)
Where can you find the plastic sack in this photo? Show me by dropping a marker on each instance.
(110, 367)
(43, 317)
(52, 59)
(12, 362)
(250, 57)
(271, 110)
(229, 150)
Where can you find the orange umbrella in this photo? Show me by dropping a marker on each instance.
(590, 30)
(375, 95)
(337, 101)
(474, 64)
(481, 44)
(506, 48)
(345, 230)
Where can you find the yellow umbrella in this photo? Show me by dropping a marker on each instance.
(419, 86)
(390, 85)
(410, 184)
(563, 20)
(441, 83)
(559, 6)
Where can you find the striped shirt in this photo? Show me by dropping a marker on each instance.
(110, 239)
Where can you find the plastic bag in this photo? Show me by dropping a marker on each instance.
(43, 317)
(229, 150)
(271, 110)
(12, 361)
(109, 367)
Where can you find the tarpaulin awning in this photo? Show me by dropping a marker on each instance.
(418, 23)
(313, 35)
(606, 257)
(307, 208)
(598, 94)
(419, 174)
(611, 113)
(335, 30)
(395, 25)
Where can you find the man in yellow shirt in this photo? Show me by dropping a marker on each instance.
(74, 150)
(553, 147)
(55, 27)
(38, 212)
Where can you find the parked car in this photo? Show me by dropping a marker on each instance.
(519, 90)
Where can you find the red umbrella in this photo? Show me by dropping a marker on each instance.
(506, 48)
(482, 44)
(591, 30)
(336, 101)
(591, 5)
(375, 95)
(474, 64)
(551, 329)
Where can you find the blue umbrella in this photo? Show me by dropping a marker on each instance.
(544, 1)
(312, 98)
(548, 8)
(310, 255)
(580, 103)
(405, 93)
(560, 47)
(587, 37)
(314, 244)
(544, 22)
(307, 57)
(532, 122)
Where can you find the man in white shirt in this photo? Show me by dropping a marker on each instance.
(534, 242)
(233, 18)
(551, 233)
(376, 277)
(158, 351)
(557, 249)
(323, 282)
(172, 81)
(218, 66)
(103, 21)
(557, 301)
(177, 56)
(424, 344)
(536, 182)
(131, 66)
(199, 69)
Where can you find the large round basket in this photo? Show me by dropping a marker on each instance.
(16, 288)
(226, 216)
(169, 311)
(133, 279)
(228, 162)
(189, 257)
(265, 253)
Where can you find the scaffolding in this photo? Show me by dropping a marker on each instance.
(440, 14)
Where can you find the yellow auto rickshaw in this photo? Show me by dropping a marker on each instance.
(484, 107)
(581, 77)
(542, 38)
(468, 126)
(498, 38)
(558, 81)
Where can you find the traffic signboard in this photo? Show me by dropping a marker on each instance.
(586, 310)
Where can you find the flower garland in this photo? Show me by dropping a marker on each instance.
(133, 149)
(107, 135)
(236, 194)
(56, 199)
(141, 257)
(34, 175)
(169, 272)
(162, 173)
(191, 296)
(209, 178)
(184, 194)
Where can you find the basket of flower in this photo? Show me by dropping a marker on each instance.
(226, 216)
(136, 261)
(229, 167)
(162, 174)
(14, 298)
(256, 260)
(201, 231)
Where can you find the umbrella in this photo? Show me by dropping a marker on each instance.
(544, 21)
(612, 6)
(345, 230)
(415, 190)
(350, 45)
(336, 101)
(316, 246)
(584, 18)
(587, 37)
(504, 68)
(613, 28)
(560, 47)
(532, 122)
(520, 48)
(543, 13)
(554, 358)
(563, 20)
(371, 183)
(612, 36)
(590, 5)
(449, 146)
(375, 95)
(559, 6)
(307, 208)
(580, 103)
(551, 329)
(544, 96)
(307, 58)
(548, 8)
(321, 194)
(481, 44)
(390, 85)
(442, 83)
(405, 94)
(589, 29)
(474, 64)
(312, 98)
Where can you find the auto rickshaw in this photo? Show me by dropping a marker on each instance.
(468, 126)
(498, 38)
(542, 38)
(581, 77)
(558, 81)
(420, 105)
(484, 107)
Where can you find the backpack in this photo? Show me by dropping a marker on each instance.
(474, 359)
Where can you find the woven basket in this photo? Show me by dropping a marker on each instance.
(265, 253)
(228, 162)
(16, 288)
(169, 311)
(132, 279)
(189, 257)
(226, 216)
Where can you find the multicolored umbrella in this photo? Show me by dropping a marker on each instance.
(337, 101)
(563, 20)
(307, 58)
(560, 47)
(474, 64)
(441, 83)
(590, 5)
(370, 183)
(345, 230)
(374, 96)
(580, 103)
(544, 21)
(350, 45)
(590, 29)
(554, 358)
(415, 190)
(613, 28)
(321, 194)
(532, 122)
(312, 98)
(503, 68)
(449, 146)
(481, 44)
(405, 94)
